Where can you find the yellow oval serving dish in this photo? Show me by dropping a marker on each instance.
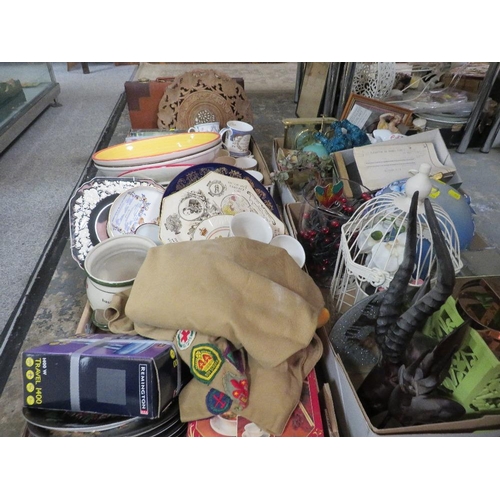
(168, 147)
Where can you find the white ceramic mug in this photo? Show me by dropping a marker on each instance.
(238, 136)
(205, 127)
(251, 225)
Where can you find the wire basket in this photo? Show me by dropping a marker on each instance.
(372, 242)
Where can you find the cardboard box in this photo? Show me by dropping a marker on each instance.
(262, 166)
(102, 373)
(347, 166)
(351, 418)
(305, 421)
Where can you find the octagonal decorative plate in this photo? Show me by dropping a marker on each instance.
(185, 213)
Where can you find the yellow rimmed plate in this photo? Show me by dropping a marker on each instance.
(156, 149)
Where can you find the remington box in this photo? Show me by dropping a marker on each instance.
(103, 373)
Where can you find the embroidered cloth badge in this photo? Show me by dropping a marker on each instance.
(237, 388)
(206, 361)
(217, 402)
(184, 338)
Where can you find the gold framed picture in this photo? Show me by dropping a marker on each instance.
(370, 114)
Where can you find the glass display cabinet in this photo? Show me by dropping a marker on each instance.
(26, 89)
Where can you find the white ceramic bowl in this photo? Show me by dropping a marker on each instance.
(160, 171)
(292, 246)
(251, 225)
(116, 261)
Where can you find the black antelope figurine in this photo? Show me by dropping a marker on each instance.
(402, 384)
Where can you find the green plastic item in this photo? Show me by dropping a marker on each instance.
(474, 376)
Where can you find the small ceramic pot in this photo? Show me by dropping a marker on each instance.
(115, 262)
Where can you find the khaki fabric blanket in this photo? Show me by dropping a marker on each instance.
(243, 316)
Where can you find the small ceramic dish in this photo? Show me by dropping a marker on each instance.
(256, 174)
(251, 225)
(215, 227)
(224, 426)
(167, 147)
(246, 163)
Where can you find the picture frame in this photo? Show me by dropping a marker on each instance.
(312, 89)
(366, 113)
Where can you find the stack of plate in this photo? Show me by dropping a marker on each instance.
(158, 158)
(199, 203)
(58, 423)
(111, 206)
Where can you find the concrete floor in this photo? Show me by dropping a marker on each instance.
(61, 307)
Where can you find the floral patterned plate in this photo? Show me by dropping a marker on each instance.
(135, 206)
